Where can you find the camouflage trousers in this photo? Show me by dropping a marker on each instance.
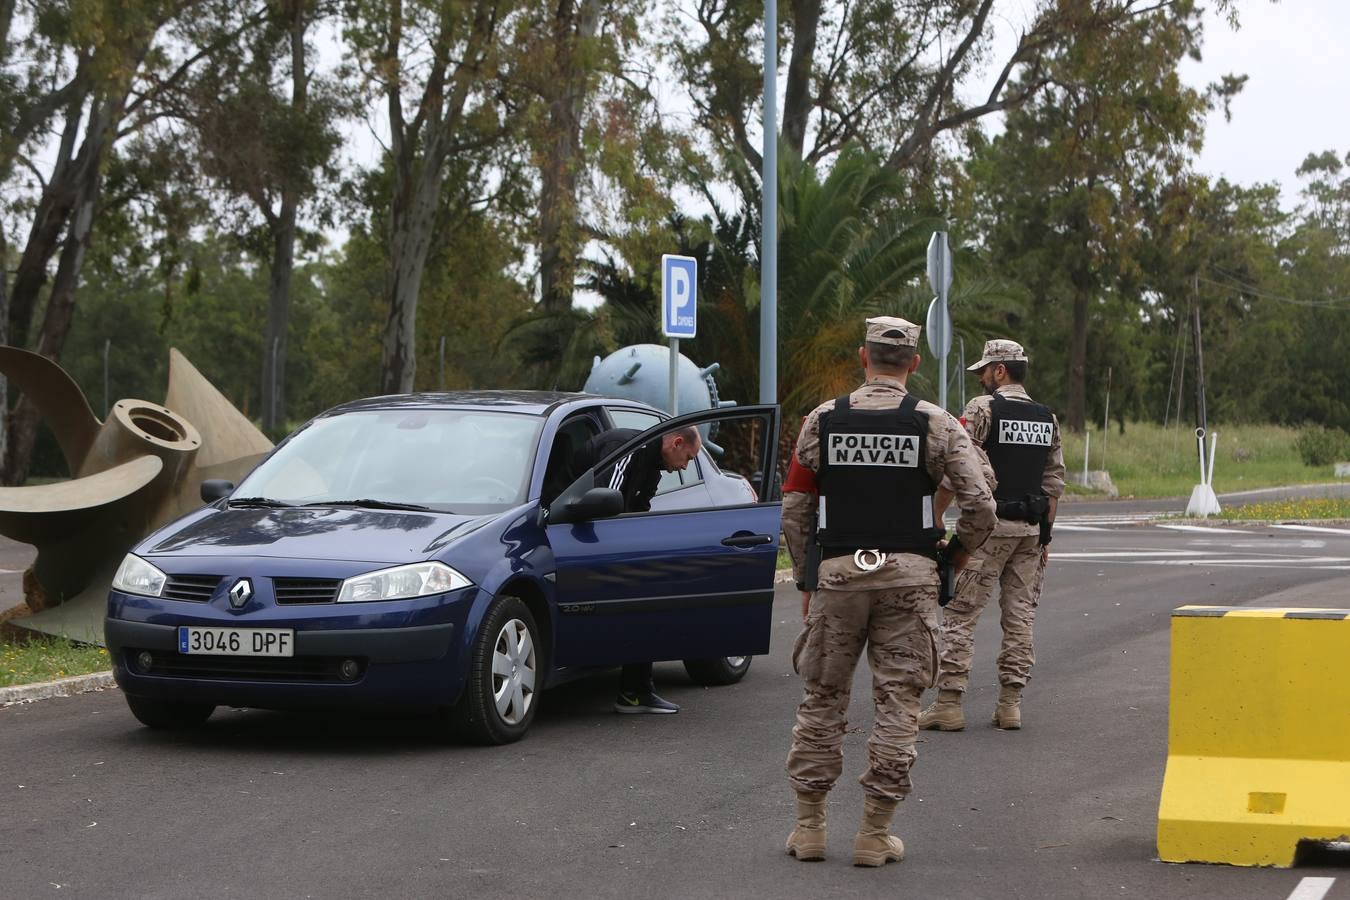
(1012, 564)
(899, 628)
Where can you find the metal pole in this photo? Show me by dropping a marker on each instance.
(442, 362)
(768, 254)
(674, 376)
(272, 408)
(1106, 416)
(1201, 417)
(962, 364)
(942, 377)
(107, 345)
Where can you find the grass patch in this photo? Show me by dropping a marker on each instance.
(1151, 461)
(784, 560)
(1292, 510)
(44, 658)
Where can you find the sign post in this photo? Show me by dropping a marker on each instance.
(939, 319)
(679, 311)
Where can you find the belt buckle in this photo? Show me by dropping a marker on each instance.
(860, 560)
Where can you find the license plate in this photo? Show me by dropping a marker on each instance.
(236, 641)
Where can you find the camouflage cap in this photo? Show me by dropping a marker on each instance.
(892, 330)
(997, 351)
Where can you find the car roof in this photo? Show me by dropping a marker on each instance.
(535, 403)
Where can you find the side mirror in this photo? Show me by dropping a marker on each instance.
(597, 503)
(214, 489)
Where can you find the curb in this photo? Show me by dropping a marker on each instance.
(62, 687)
(782, 576)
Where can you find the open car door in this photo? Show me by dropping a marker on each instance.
(672, 583)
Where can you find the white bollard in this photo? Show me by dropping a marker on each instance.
(1203, 502)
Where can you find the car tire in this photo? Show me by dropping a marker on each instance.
(506, 675)
(169, 715)
(719, 670)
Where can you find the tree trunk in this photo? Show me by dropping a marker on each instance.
(558, 174)
(278, 315)
(283, 252)
(411, 222)
(797, 95)
(59, 197)
(60, 307)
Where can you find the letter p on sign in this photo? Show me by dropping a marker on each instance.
(679, 288)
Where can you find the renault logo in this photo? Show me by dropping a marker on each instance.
(240, 593)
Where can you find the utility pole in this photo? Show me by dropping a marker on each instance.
(1201, 418)
(768, 181)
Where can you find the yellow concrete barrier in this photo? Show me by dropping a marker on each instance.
(1258, 736)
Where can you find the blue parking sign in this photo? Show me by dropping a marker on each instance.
(679, 296)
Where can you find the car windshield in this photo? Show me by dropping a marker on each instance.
(461, 461)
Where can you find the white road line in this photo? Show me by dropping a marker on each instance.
(1312, 889)
(1316, 528)
(1111, 554)
(1204, 528)
(1065, 526)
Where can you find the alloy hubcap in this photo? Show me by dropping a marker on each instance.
(513, 672)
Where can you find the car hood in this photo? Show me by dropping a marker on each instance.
(382, 536)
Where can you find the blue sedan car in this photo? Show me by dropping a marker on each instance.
(441, 551)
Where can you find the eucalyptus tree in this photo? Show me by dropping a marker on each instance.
(110, 62)
(435, 67)
(1070, 193)
(263, 121)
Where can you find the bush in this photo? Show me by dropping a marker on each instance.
(1322, 446)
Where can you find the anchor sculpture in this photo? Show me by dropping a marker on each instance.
(135, 471)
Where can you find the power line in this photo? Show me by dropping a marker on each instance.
(1236, 281)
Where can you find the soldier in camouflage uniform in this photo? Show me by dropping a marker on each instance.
(882, 594)
(1021, 440)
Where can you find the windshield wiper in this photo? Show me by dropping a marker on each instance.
(259, 502)
(372, 504)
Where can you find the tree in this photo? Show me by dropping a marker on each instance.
(273, 148)
(1070, 189)
(434, 65)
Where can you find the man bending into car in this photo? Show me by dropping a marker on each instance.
(637, 476)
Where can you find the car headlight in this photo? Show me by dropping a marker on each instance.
(136, 576)
(402, 583)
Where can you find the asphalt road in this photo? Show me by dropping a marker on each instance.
(593, 804)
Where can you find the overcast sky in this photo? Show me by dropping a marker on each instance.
(1295, 101)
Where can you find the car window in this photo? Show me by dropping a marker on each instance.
(464, 461)
(560, 469)
(743, 444)
(632, 418)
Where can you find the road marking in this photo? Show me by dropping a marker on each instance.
(1316, 528)
(1065, 526)
(1312, 888)
(1110, 554)
(1203, 528)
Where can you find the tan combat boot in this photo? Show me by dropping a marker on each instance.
(875, 845)
(944, 713)
(807, 841)
(1008, 712)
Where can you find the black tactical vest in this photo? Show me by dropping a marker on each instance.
(875, 491)
(1018, 445)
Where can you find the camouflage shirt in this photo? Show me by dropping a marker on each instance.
(949, 455)
(978, 419)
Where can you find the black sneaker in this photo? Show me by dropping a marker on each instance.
(632, 703)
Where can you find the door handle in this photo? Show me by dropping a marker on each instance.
(742, 539)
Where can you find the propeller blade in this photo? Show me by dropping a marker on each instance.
(57, 397)
(226, 432)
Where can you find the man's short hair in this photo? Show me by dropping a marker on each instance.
(689, 433)
(1017, 370)
(889, 356)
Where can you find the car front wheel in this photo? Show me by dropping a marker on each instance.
(169, 715)
(506, 672)
(718, 670)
